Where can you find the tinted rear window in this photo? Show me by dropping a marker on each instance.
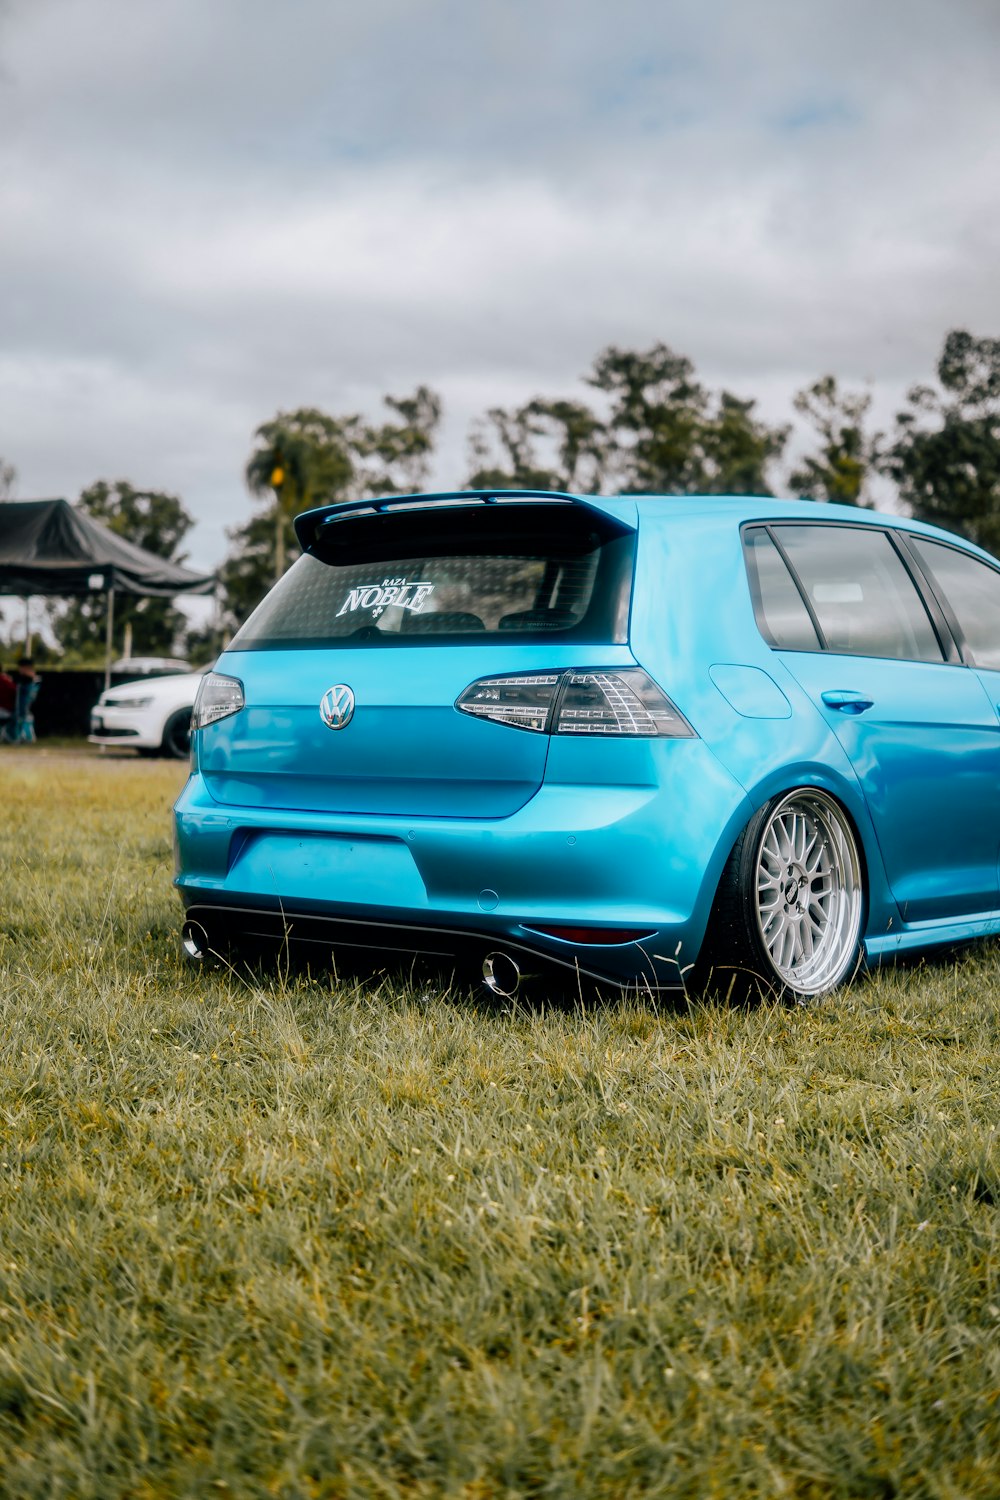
(462, 576)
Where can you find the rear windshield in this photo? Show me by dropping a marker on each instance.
(420, 578)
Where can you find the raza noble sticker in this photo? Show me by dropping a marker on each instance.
(376, 597)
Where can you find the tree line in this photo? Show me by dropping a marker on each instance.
(652, 427)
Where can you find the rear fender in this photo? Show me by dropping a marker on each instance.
(882, 912)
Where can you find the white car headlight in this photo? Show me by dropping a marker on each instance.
(218, 697)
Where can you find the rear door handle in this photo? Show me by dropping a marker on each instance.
(847, 700)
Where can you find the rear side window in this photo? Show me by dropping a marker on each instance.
(780, 606)
(843, 589)
(863, 598)
(461, 575)
(972, 588)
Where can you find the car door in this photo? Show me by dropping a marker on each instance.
(967, 588)
(921, 731)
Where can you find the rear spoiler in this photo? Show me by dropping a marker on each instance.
(311, 523)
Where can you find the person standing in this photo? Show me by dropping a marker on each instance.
(8, 698)
(21, 729)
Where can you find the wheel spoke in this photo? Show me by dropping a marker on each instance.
(791, 943)
(817, 913)
(801, 839)
(782, 842)
(772, 851)
(814, 854)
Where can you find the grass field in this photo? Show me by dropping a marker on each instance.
(264, 1236)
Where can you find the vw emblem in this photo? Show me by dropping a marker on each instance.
(336, 707)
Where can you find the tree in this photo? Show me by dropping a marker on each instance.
(847, 454)
(153, 520)
(307, 458)
(946, 455)
(302, 457)
(573, 438)
(671, 436)
(248, 571)
(396, 455)
(663, 433)
(8, 480)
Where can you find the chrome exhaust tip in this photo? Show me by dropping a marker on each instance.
(194, 942)
(501, 975)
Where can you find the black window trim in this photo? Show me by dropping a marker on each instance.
(950, 649)
(814, 617)
(954, 651)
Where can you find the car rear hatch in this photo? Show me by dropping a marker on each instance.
(351, 667)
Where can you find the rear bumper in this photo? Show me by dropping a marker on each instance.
(221, 928)
(639, 856)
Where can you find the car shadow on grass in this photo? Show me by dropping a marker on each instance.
(420, 979)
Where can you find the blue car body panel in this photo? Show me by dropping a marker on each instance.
(421, 817)
(930, 740)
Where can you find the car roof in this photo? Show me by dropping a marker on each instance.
(702, 510)
(742, 508)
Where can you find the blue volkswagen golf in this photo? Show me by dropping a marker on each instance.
(648, 740)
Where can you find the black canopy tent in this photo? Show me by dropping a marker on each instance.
(47, 547)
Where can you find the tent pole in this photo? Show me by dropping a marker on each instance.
(108, 634)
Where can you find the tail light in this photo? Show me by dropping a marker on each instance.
(613, 701)
(217, 698)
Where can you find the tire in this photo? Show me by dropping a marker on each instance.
(789, 912)
(177, 735)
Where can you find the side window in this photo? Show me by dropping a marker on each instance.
(862, 595)
(780, 611)
(972, 588)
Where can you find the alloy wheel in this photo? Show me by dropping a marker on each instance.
(808, 892)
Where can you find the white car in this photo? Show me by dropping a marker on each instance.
(152, 715)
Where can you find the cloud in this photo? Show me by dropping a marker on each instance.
(218, 211)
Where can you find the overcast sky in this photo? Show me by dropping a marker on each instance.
(211, 210)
